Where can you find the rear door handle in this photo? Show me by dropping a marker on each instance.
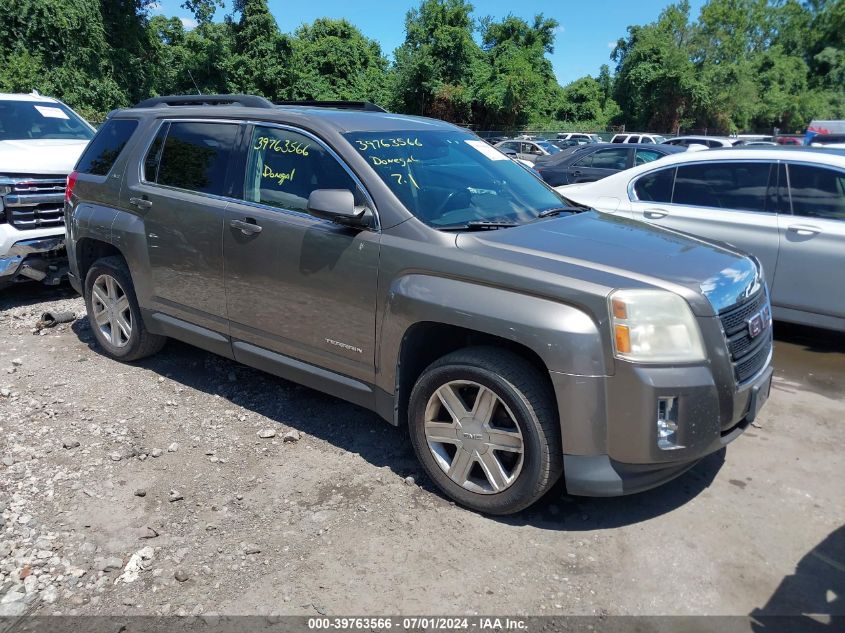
(141, 203)
(655, 215)
(805, 230)
(247, 226)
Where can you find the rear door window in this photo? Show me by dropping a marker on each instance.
(102, 152)
(194, 156)
(615, 158)
(724, 185)
(817, 192)
(655, 186)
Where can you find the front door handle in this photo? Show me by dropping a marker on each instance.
(655, 215)
(141, 203)
(247, 226)
(805, 230)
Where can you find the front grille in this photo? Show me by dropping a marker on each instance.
(34, 202)
(748, 354)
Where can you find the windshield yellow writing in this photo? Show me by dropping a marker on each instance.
(276, 145)
(280, 177)
(402, 162)
(405, 179)
(384, 143)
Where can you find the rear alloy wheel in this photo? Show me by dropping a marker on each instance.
(484, 424)
(113, 312)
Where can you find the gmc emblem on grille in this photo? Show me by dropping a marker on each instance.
(758, 322)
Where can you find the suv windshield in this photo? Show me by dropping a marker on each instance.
(449, 179)
(27, 120)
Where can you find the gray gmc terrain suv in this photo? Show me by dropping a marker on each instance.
(404, 265)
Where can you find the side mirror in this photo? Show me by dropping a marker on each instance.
(338, 205)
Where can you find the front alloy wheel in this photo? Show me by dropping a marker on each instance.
(483, 422)
(473, 437)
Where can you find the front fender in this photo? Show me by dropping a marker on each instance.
(563, 336)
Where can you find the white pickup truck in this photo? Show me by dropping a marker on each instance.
(40, 141)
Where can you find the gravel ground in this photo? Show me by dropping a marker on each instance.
(189, 484)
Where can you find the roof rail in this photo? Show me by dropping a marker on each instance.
(364, 106)
(247, 101)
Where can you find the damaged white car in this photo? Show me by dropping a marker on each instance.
(40, 141)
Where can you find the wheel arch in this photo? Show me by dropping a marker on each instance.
(427, 317)
(89, 250)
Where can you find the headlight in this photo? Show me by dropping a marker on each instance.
(654, 326)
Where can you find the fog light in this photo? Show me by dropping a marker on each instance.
(667, 424)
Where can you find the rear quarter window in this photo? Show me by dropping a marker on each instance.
(103, 150)
(655, 186)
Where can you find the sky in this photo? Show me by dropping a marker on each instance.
(586, 36)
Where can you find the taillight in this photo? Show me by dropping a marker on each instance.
(71, 182)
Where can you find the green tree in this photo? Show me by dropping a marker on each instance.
(657, 84)
(433, 69)
(59, 48)
(519, 86)
(585, 104)
(261, 55)
(333, 60)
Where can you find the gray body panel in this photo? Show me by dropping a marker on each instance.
(332, 307)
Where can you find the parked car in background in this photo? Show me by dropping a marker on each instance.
(828, 140)
(784, 205)
(646, 139)
(789, 140)
(529, 150)
(40, 141)
(707, 141)
(588, 163)
(581, 137)
(823, 127)
(404, 265)
(566, 144)
(513, 155)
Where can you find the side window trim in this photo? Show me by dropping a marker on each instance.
(296, 130)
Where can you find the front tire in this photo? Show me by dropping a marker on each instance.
(484, 425)
(113, 312)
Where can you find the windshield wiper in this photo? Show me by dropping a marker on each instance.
(548, 213)
(480, 225)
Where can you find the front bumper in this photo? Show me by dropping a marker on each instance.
(41, 259)
(609, 424)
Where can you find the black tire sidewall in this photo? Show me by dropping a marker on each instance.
(121, 274)
(523, 492)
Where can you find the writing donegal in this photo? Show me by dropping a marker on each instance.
(280, 177)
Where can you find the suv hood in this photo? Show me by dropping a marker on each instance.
(39, 156)
(611, 252)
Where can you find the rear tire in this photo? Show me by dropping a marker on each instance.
(113, 312)
(483, 423)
